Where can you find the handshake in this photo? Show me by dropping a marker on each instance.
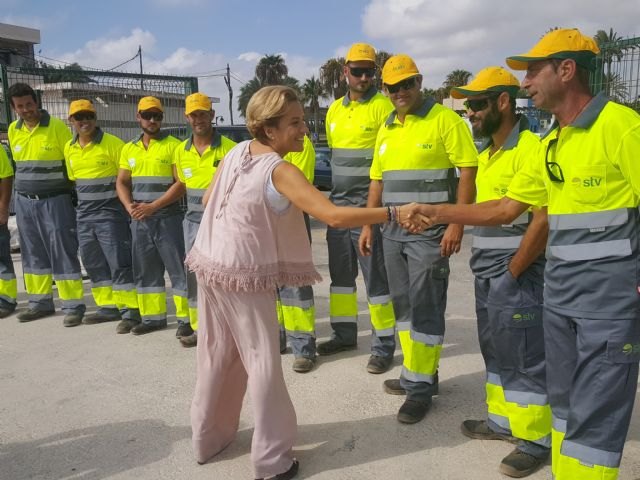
(415, 217)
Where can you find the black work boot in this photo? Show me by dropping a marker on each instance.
(519, 464)
(412, 411)
(144, 328)
(378, 365)
(480, 430)
(33, 314)
(333, 346)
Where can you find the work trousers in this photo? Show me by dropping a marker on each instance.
(238, 346)
(105, 249)
(418, 279)
(190, 232)
(8, 283)
(511, 337)
(297, 316)
(158, 243)
(49, 248)
(592, 377)
(344, 257)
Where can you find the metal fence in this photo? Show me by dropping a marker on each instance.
(617, 72)
(115, 95)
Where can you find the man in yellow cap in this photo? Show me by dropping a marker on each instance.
(417, 152)
(92, 158)
(508, 264)
(196, 160)
(588, 176)
(352, 124)
(149, 189)
(44, 210)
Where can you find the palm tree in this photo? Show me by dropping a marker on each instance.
(246, 92)
(271, 70)
(437, 94)
(332, 78)
(312, 92)
(456, 78)
(610, 50)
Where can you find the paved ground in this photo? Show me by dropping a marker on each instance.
(85, 403)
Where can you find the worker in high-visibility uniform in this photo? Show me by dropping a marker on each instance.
(352, 124)
(508, 264)
(8, 284)
(417, 151)
(588, 176)
(296, 307)
(44, 210)
(92, 159)
(149, 189)
(196, 160)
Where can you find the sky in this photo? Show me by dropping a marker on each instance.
(199, 37)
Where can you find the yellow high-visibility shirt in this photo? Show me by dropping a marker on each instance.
(304, 160)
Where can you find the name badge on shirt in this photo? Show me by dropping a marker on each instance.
(187, 172)
(132, 162)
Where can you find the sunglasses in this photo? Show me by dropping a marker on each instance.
(479, 104)
(553, 169)
(82, 116)
(358, 72)
(157, 116)
(407, 84)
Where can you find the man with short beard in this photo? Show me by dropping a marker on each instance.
(149, 188)
(197, 159)
(508, 264)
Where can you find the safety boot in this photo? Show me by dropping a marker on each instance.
(480, 430)
(190, 341)
(144, 328)
(412, 411)
(33, 314)
(303, 364)
(126, 325)
(333, 346)
(5, 312)
(98, 317)
(72, 319)
(519, 464)
(184, 330)
(288, 475)
(378, 364)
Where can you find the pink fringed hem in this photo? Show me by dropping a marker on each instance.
(251, 279)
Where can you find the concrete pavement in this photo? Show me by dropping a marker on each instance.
(85, 403)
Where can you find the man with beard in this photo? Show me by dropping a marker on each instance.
(197, 159)
(588, 176)
(508, 265)
(352, 124)
(149, 189)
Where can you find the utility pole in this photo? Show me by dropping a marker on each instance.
(140, 57)
(227, 80)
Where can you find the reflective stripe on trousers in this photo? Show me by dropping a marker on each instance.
(158, 243)
(49, 249)
(418, 279)
(592, 380)
(344, 258)
(511, 336)
(105, 249)
(190, 232)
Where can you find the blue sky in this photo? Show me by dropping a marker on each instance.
(190, 37)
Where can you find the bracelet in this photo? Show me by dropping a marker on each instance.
(397, 215)
(388, 214)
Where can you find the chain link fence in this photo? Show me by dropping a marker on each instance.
(617, 72)
(115, 95)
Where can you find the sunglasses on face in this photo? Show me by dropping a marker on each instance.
(553, 169)
(82, 116)
(478, 104)
(157, 116)
(407, 84)
(358, 72)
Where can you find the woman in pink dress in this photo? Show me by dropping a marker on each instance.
(252, 240)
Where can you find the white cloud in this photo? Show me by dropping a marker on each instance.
(470, 34)
(251, 57)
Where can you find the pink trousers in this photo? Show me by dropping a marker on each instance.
(238, 346)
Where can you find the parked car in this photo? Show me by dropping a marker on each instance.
(322, 173)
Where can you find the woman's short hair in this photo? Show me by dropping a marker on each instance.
(266, 107)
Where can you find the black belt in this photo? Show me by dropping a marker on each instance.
(41, 196)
